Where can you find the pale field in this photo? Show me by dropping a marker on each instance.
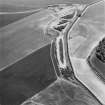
(89, 29)
(85, 35)
(21, 38)
(42, 3)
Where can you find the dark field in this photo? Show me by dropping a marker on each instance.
(97, 59)
(6, 19)
(20, 39)
(27, 77)
(98, 66)
(41, 3)
(100, 51)
(13, 8)
(19, 6)
(11, 17)
(65, 92)
(35, 72)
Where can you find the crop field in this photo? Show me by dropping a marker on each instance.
(21, 38)
(27, 55)
(19, 6)
(13, 8)
(41, 3)
(8, 18)
(12, 37)
(97, 59)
